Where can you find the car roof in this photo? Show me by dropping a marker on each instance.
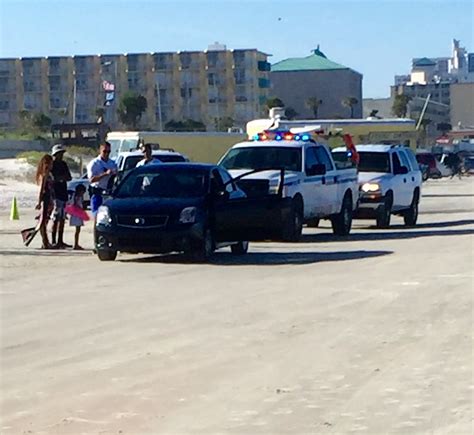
(189, 165)
(153, 153)
(273, 143)
(375, 148)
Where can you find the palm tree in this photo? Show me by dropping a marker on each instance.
(350, 102)
(313, 104)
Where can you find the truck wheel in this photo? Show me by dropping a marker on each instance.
(203, 250)
(384, 214)
(410, 216)
(294, 225)
(106, 255)
(313, 223)
(240, 248)
(342, 222)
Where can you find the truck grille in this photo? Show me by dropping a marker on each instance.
(254, 188)
(133, 221)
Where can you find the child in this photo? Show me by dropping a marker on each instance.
(78, 214)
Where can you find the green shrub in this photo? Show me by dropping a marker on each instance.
(33, 158)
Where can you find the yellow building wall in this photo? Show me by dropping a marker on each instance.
(199, 147)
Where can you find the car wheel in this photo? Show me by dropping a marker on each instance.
(240, 248)
(384, 214)
(203, 250)
(313, 223)
(106, 255)
(410, 216)
(294, 225)
(342, 222)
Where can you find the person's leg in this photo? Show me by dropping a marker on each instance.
(54, 231)
(76, 238)
(43, 225)
(96, 202)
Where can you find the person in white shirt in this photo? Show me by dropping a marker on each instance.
(99, 172)
(146, 150)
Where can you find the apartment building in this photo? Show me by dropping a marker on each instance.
(295, 80)
(199, 85)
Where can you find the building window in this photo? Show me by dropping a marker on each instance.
(239, 75)
(54, 83)
(185, 59)
(3, 84)
(4, 104)
(212, 79)
(212, 58)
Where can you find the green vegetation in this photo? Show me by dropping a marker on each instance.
(350, 102)
(131, 109)
(313, 104)
(224, 123)
(274, 102)
(186, 125)
(291, 113)
(73, 156)
(400, 106)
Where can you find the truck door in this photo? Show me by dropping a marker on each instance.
(331, 204)
(401, 195)
(312, 185)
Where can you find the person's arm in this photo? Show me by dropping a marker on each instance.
(94, 175)
(41, 191)
(67, 173)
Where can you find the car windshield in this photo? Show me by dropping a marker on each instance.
(374, 162)
(165, 182)
(342, 159)
(263, 157)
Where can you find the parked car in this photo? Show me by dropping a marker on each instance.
(390, 183)
(126, 161)
(186, 207)
(315, 186)
(436, 168)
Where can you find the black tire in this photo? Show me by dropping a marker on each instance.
(342, 222)
(203, 250)
(106, 255)
(240, 248)
(410, 216)
(294, 225)
(313, 223)
(384, 214)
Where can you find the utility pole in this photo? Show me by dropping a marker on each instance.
(74, 95)
(158, 100)
(423, 111)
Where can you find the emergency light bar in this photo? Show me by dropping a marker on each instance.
(281, 135)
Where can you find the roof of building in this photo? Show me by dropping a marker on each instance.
(317, 61)
(424, 61)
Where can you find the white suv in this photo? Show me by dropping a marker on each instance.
(389, 182)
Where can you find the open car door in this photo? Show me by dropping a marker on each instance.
(240, 218)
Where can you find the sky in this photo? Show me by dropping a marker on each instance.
(377, 38)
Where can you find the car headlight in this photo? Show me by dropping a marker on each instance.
(370, 187)
(188, 215)
(103, 216)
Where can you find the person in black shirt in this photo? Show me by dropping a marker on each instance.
(61, 175)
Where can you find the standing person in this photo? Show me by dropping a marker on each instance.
(46, 196)
(148, 158)
(75, 220)
(61, 175)
(99, 172)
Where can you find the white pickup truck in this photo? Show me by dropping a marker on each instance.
(390, 182)
(317, 188)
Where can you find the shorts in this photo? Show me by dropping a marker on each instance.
(59, 214)
(96, 202)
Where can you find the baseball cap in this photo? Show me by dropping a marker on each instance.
(58, 149)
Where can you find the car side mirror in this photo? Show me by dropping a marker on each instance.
(402, 170)
(318, 169)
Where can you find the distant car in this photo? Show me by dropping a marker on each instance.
(193, 208)
(126, 161)
(390, 183)
(436, 169)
